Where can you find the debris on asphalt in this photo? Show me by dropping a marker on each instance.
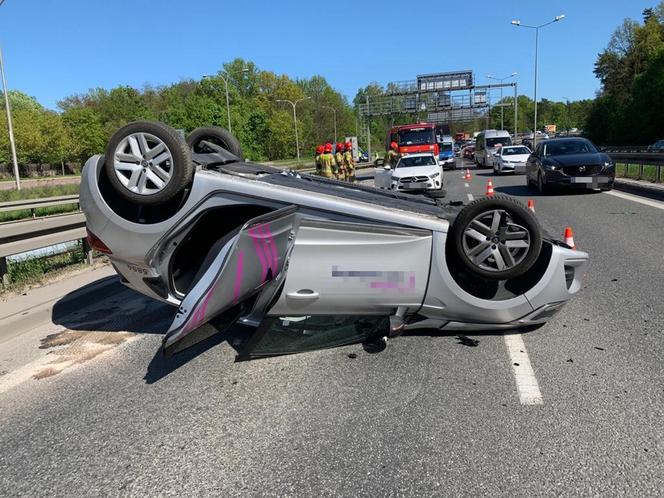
(599, 349)
(614, 280)
(467, 341)
(516, 364)
(352, 356)
(570, 360)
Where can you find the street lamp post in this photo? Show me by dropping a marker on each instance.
(294, 104)
(10, 128)
(9, 124)
(502, 109)
(228, 107)
(334, 111)
(518, 23)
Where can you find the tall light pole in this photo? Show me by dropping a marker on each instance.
(567, 122)
(502, 109)
(10, 127)
(518, 24)
(294, 104)
(334, 111)
(225, 80)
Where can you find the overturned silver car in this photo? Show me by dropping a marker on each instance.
(302, 262)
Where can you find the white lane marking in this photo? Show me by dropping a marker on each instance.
(466, 185)
(470, 197)
(524, 375)
(636, 198)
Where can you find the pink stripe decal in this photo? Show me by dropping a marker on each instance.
(259, 253)
(238, 276)
(266, 249)
(273, 248)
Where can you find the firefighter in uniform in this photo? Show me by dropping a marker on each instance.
(319, 151)
(327, 162)
(339, 159)
(392, 155)
(349, 163)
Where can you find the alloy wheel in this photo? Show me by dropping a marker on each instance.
(494, 242)
(143, 163)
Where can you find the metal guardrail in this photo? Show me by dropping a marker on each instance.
(34, 204)
(638, 160)
(35, 233)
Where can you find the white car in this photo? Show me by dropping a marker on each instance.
(511, 159)
(414, 172)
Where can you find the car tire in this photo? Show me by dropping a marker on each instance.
(509, 252)
(217, 135)
(148, 162)
(542, 187)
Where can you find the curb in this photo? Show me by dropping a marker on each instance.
(633, 186)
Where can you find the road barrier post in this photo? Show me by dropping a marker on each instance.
(4, 275)
(87, 250)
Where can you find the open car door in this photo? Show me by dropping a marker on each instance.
(249, 267)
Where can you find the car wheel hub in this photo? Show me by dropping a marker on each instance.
(493, 241)
(143, 163)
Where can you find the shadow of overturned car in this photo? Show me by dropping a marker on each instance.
(108, 306)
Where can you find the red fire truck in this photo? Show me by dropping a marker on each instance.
(414, 138)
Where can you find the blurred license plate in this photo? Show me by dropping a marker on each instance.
(589, 179)
(416, 185)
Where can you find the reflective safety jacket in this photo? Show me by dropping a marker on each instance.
(317, 163)
(339, 158)
(391, 158)
(349, 163)
(327, 165)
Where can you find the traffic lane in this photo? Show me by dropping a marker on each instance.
(322, 422)
(600, 358)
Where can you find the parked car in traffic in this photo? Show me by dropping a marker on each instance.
(468, 152)
(571, 162)
(511, 159)
(487, 143)
(414, 172)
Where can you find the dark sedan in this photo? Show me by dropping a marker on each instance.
(570, 162)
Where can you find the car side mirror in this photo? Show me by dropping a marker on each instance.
(379, 162)
(387, 167)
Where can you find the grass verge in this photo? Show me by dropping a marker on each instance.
(35, 271)
(632, 171)
(38, 192)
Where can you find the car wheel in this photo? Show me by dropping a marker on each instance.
(216, 135)
(148, 162)
(542, 187)
(496, 238)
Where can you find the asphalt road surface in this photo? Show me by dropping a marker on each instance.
(433, 414)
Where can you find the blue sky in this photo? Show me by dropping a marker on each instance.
(54, 48)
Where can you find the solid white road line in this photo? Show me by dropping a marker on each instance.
(636, 198)
(471, 198)
(524, 375)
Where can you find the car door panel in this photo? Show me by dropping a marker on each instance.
(245, 266)
(354, 268)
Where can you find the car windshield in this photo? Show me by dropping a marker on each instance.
(417, 136)
(445, 147)
(411, 161)
(565, 147)
(493, 142)
(513, 151)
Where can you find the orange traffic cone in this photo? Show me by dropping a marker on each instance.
(489, 188)
(467, 176)
(531, 205)
(569, 238)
